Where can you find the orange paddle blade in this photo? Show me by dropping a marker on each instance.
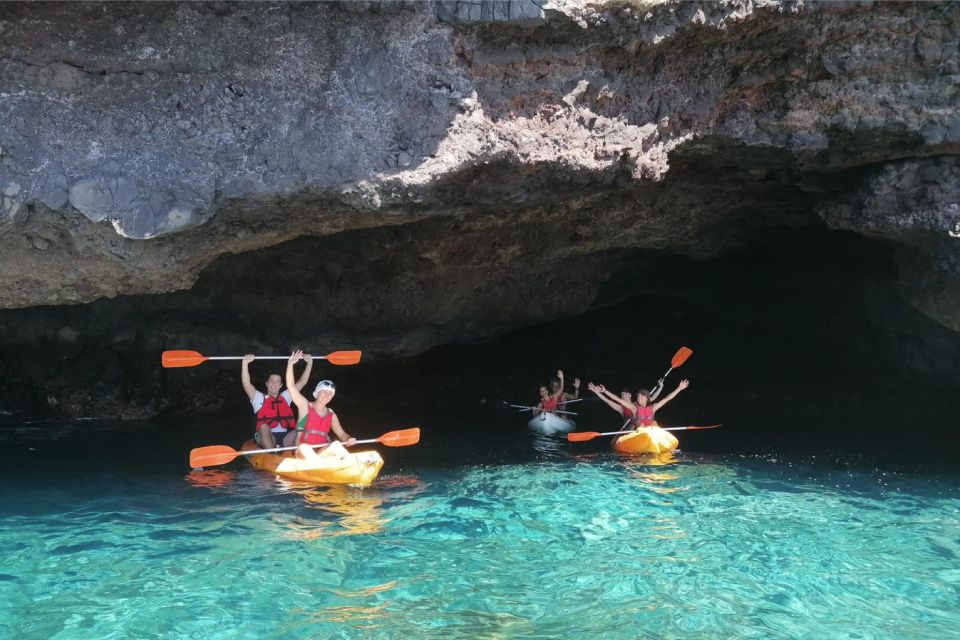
(680, 357)
(343, 357)
(212, 456)
(401, 438)
(582, 436)
(174, 359)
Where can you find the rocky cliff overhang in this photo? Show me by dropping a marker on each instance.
(383, 172)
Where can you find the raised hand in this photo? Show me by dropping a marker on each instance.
(683, 384)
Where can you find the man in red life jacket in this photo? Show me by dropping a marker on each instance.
(276, 424)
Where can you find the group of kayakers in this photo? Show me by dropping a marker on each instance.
(276, 425)
(553, 397)
(639, 412)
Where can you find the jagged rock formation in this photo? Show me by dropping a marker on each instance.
(431, 156)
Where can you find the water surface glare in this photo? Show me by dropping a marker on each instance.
(559, 545)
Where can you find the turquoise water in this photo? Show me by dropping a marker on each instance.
(105, 538)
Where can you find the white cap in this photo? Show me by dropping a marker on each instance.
(324, 385)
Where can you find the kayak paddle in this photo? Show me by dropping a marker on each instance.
(678, 359)
(583, 436)
(524, 408)
(221, 454)
(176, 359)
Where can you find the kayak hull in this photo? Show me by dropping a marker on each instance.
(550, 423)
(650, 439)
(331, 465)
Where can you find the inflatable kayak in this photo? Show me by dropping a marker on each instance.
(650, 439)
(331, 465)
(550, 423)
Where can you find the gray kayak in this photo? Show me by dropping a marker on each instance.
(550, 423)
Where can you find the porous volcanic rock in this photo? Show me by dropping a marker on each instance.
(435, 156)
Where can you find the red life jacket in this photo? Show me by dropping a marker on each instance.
(275, 412)
(644, 416)
(550, 404)
(316, 428)
(627, 412)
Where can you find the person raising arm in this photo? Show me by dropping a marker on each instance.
(275, 421)
(643, 410)
(317, 419)
(564, 396)
(680, 387)
(622, 405)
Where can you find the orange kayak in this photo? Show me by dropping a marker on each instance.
(331, 465)
(650, 439)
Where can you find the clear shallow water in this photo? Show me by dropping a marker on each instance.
(108, 538)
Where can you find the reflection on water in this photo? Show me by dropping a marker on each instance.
(634, 461)
(638, 467)
(210, 478)
(354, 614)
(354, 511)
(346, 510)
(350, 614)
(548, 444)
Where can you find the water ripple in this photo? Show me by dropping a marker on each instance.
(596, 546)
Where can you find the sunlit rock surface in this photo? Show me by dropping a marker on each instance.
(402, 175)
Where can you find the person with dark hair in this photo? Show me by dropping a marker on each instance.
(275, 421)
(557, 392)
(613, 402)
(642, 410)
(547, 401)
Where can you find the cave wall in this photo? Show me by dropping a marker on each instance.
(407, 174)
(142, 140)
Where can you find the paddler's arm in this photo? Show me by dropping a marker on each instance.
(245, 376)
(680, 387)
(302, 382)
(613, 405)
(567, 397)
(345, 437)
(620, 401)
(657, 390)
(300, 423)
(298, 399)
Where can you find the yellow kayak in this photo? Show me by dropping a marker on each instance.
(650, 439)
(331, 465)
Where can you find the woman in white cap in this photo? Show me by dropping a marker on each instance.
(317, 420)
